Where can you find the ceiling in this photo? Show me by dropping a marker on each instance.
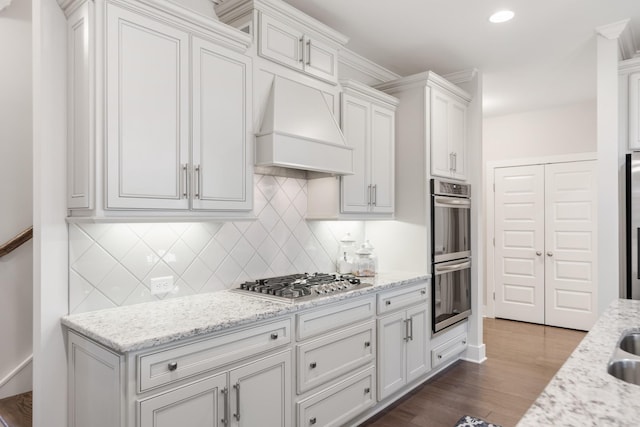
(542, 58)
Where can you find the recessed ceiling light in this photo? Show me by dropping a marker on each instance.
(501, 16)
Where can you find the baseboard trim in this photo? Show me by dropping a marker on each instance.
(16, 371)
(475, 353)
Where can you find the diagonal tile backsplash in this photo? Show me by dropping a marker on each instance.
(112, 264)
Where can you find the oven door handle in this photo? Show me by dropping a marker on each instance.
(452, 267)
(441, 201)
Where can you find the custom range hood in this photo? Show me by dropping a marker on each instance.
(299, 132)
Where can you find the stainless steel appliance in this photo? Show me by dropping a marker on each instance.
(633, 225)
(302, 287)
(451, 253)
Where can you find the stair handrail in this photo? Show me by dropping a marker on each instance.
(16, 242)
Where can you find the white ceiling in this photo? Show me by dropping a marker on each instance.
(544, 57)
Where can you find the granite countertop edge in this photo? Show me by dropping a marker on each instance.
(583, 393)
(146, 325)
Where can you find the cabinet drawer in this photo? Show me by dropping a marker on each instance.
(330, 357)
(448, 350)
(336, 405)
(312, 323)
(403, 297)
(166, 366)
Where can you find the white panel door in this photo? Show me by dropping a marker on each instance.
(392, 350)
(221, 101)
(458, 138)
(320, 60)
(519, 243)
(571, 245)
(418, 359)
(261, 393)
(356, 127)
(147, 112)
(200, 404)
(280, 42)
(439, 134)
(382, 159)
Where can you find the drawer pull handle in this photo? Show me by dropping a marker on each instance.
(367, 344)
(274, 336)
(312, 420)
(388, 302)
(172, 366)
(439, 356)
(237, 414)
(367, 390)
(225, 392)
(312, 365)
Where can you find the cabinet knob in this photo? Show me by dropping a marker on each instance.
(549, 253)
(367, 344)
(367, 390)
(439, 356)
(388, 302)
(312, 420)
(274, 336)
(172, 366)
(312, 365)
(538, 253)
(423, 291)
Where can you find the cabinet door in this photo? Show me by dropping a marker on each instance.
(81, 122)
(417, 355)
(356, 188)
(280, 42)
(261, 392)
(382, 159)
(147, 112)
(199, 404)
(458, 138)
(392, 368)
(320, 60)
(441, 158)
(221, 104)
(634, 111)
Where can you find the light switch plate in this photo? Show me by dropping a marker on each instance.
(161, 285)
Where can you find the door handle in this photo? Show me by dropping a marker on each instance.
(185, 179)
(375, 195)
(237, 414)
(301, 47)
(406, 329)
(225, 392)
(369, 195)
(410, 321)
(197, 183)
(308, 52)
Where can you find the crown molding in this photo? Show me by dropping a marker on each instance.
(463, 76)
(426, 78)
(366, 66)
(374, 95)
(629, 65)
(614, 30)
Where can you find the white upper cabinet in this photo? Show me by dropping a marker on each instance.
(286, 36)
(147, 112)
(368, 124)
(448, 120)
(173, 138)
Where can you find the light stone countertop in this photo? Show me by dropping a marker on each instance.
(582, 393)
(141, 326)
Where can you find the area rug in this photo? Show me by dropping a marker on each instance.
(469, 421)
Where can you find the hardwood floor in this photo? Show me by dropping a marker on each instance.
(521, 359)
(16, 411)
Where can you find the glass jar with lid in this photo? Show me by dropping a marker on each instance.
(346, 254)
(364, 263)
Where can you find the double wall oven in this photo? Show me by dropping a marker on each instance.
(450, 252)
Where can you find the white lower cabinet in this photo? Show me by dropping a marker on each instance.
(402, 354)
(336, 405)
(258, 393)
(200, 404)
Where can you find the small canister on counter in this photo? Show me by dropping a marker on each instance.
(364, 263)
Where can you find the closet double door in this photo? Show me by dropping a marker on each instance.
(546, 244)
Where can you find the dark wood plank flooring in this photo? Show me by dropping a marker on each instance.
(521, 359)
(16, 411)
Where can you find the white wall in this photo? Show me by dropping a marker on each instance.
(556, 131)
(15, 188)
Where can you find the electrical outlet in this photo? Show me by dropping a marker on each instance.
(161, 285)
